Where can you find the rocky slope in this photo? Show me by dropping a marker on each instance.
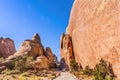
(7, 47)
(94, 26)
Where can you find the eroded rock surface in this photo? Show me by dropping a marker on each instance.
(94, 26)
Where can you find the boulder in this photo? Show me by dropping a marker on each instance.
(7, 47)
(94, 26)
(41, 63)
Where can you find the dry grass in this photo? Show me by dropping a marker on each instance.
(28, 75)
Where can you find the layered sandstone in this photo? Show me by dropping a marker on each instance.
(7, 47)
(94, 26)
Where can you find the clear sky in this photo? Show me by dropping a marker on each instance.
(20, 19)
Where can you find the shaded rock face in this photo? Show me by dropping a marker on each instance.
(42, 59)
(7, 47)
(66, 51)
(94, 26)
(50, 56)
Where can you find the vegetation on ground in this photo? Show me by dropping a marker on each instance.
(29, 75)
(20, 69)
(102, 71)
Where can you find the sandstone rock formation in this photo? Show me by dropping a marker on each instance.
(94, 26)
(42, 59)
(66, 51)
(32, 47)
(7, 47)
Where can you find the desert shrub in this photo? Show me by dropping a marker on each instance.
(102, 71)
(29, 59)
(87, 71)
(6, 71)
(22, 62)
(73, 65)
(1, 58)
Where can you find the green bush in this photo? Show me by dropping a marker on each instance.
(102, 71)
(73, 65)
(87, 71)
(22, 62)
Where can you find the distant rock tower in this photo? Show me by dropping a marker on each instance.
(7, 47)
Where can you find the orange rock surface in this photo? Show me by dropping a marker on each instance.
(94, 26)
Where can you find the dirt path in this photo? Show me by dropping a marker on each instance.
(66, 76)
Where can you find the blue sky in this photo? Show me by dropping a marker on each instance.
(20, 19)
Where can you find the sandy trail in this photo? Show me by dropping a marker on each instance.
(66, 76)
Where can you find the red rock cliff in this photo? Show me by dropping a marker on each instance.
(7, 47)
(94, 26)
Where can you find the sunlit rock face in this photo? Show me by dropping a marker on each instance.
(32, 47)
(94, 26)
(7, 47)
